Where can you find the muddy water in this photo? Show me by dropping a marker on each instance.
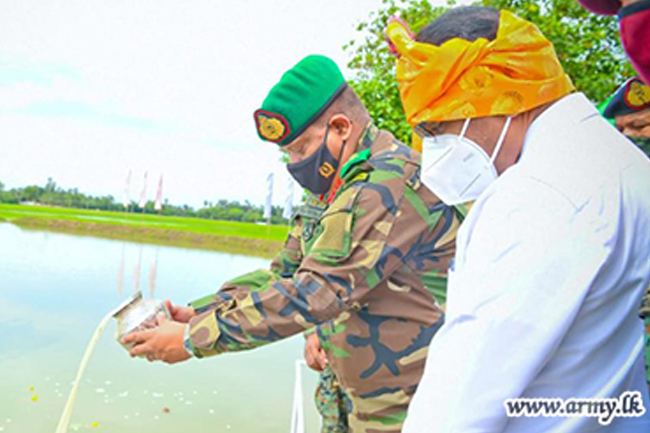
(54, 290)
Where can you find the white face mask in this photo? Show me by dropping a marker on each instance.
(455, 168)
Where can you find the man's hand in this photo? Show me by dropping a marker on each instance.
(636, 125)
(314, 354)
(180, 314)
(628, 2)
(164, 343)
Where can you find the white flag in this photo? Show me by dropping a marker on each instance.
(127, 199)
(269, 196)
(288, 201)
(143, 193)
(158, 205)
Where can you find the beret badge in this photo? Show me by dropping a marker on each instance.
(637, 95)
(271, 126)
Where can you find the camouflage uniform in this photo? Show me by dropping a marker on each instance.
(332, 403)
(330, 399)
(372, 267)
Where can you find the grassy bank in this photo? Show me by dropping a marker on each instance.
(227, 236)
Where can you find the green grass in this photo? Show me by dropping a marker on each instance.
(194, 225)
(245, 238)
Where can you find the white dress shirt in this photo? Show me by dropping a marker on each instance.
(543, 299)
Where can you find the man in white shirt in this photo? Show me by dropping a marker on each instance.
(554, 256)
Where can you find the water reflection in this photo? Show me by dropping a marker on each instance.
(55, 288)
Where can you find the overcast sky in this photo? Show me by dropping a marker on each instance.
(91, 90)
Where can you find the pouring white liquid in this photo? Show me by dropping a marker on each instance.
(133, 315)
(67, 411)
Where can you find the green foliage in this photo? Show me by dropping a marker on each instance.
(374, 66)
(587, 44)
(31, 215)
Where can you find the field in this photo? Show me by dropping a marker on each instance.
(228, 236)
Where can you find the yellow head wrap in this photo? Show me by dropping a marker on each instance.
(459, 79)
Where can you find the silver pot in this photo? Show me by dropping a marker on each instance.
(138, 314)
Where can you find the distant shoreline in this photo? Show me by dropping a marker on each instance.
(225, 236)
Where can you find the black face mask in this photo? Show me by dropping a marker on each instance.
(316, 173)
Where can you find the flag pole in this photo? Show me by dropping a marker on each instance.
(268, 204)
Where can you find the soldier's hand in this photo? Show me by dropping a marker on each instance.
(636, 125)
(163, 343)
(180, 314)
(314, 353)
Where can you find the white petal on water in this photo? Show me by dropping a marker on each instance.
(194, 393)
(123, 394)
(215, 392)
(228, 426)
(108, 382)
(156, 417)
(157, 394)
(211, 411)
(100, 390)
(188, 402)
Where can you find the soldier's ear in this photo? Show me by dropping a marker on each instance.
(341, 125)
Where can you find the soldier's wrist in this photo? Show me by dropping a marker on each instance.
(187, 342)
(196, 341)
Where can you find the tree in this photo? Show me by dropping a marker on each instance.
(50, 186)
(588, 47)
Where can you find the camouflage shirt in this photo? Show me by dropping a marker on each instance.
(372, 267)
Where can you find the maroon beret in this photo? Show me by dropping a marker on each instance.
(602, 7)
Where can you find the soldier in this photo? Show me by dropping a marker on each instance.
(330, 399)
(371, 268)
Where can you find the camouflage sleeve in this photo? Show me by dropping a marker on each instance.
(352, 250)
(284, 264)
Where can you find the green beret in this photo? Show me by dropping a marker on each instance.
(301, 96)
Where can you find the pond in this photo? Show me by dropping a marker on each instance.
(55, 288)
